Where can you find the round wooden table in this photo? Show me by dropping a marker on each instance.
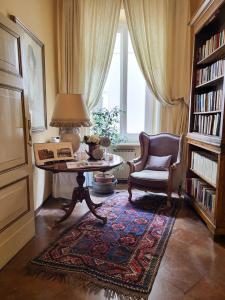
(81, 193)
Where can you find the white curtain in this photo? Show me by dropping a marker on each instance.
(70, 48)
(86, 36)
(161, 40)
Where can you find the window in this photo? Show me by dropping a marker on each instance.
(126, 88)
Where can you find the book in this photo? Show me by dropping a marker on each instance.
(210, 72)
(207, 124)
(204, 166)
(210, 45)
(208, 102)
(202, 193)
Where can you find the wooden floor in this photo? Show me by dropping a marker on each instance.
(193, 266)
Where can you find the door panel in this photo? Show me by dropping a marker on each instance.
(16, 192)
(9, 51)
(12, 134)
(10, 208)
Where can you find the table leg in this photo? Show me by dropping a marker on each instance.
(91, 205)
(81, 193)
(68, 208)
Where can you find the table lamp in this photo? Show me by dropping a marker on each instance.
(69, 114)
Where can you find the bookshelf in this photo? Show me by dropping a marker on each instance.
(205, 182)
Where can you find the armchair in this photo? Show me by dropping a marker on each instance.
(166, 180)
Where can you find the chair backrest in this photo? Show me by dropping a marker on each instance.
(162, 144)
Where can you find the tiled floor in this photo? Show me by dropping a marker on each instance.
(193, 266)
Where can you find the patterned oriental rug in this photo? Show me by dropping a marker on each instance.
(122, 257)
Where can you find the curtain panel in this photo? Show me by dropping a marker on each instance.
(86, 37)
(161, 40)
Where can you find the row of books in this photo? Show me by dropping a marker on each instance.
(209, 101)
(209, 125)
(202, 193)
(211, 72)
(211, 45)
(204, 166)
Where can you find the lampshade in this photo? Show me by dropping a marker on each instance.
(70, 111)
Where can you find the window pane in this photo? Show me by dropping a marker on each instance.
(111, 91)
(135, 94)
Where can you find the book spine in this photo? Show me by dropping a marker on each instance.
(210, 45)
(211, 72)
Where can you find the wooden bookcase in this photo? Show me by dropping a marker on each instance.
(208, 21)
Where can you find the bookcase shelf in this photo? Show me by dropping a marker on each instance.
(208, 218)
(219, 53)
(209, 23)
(210, 83)
(207, 112)
(203, 177)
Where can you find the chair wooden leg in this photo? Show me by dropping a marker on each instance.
(130, 192)
(168, 202)
(179, 191)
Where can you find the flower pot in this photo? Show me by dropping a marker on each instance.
(104, 177)
(94, 152)
(104, 188)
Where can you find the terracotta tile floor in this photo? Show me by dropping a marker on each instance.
(193, 266)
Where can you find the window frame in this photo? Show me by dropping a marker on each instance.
(130, 137)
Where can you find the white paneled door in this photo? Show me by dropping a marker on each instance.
(16, 194)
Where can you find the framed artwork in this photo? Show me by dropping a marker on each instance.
(49, 152)
(34, 76)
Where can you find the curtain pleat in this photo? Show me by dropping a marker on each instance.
(86, 37)
(161, 40)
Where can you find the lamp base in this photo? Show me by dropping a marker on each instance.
(71, 135)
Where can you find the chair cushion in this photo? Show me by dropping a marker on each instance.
(151, 179)
(158, 163)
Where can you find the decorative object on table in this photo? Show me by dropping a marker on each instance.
(159, 168)
(106, 124)
(69, 114)
(94, 142)
(105, 143)
(50, 152)
(123, 257)
(55, 139)
(34, 75)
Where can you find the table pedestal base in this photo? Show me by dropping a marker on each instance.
(81, 193)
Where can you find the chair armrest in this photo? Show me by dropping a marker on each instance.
(135, 164)
(175, 165)
(175, 175)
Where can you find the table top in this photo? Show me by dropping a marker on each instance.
(61, 166)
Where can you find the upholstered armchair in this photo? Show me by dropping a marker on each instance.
(159, 168)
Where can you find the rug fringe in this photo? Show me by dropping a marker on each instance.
(84, 282)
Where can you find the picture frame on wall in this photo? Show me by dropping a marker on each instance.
(34, 76)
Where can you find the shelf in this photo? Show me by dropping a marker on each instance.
(210, 82)
(207, 112)
(204, 178)
(217, 54)
(204, 145)
(208, 218)
(209, 139)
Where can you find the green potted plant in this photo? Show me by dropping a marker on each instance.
(106, 124)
